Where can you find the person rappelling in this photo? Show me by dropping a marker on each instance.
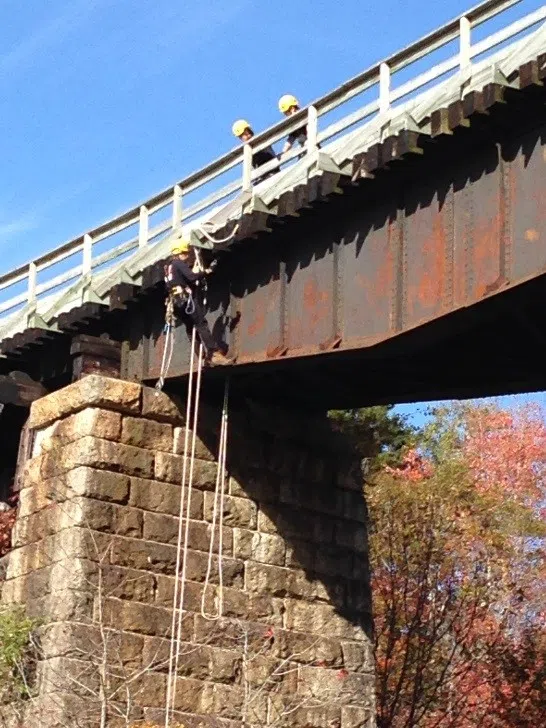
(183, 282)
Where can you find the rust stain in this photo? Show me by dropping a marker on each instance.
(315, 301)
(532, 235)
(486, 254)
(368, 284)
(385, 272)
(425, 291)
(257, 324)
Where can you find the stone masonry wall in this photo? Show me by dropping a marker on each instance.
(95, 553)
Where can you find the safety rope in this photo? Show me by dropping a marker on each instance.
(177, 602)
(192, 413)
(187, 521)
(218, 515)
(168, 348)
(212, 239)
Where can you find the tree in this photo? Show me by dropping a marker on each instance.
(458, 563)
(378, 433)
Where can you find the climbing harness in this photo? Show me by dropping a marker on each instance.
(186, 297)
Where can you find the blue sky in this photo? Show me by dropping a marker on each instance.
(105, 102)
(418, 414)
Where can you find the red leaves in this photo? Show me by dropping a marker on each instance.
(414, 467)
(458, 550)
(342, 674)
(7, 519)
(506, 451)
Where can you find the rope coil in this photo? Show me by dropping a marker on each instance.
(219, 241)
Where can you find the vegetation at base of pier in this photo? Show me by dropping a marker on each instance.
(458, 556)
(16, 653)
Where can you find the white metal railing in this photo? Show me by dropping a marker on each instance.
(379, 76)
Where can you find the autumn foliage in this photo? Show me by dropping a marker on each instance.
(7, 519)
(459, 564)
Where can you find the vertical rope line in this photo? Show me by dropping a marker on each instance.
(179, 543)
(218, 508)
(187, 528)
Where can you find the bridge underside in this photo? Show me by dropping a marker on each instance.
(497, 347)
(423, 280)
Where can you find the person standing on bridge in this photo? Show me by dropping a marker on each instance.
(182, 283)
(289, 105)
(243, 131)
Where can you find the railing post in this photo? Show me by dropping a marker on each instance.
(247, 167)
(87, 254)
(312, 128)
(177, 206)
(384, 88)
(32, 275)
(464, 43)
(143, 227)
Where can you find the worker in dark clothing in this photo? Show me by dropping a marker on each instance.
(243, 131)
(289, 105)
(182, 283)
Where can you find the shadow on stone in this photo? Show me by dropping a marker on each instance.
(306, 480)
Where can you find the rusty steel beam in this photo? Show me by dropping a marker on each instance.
(18, 389)
(378, 261)
(398, 282)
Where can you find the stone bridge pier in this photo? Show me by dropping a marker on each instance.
(95, 555)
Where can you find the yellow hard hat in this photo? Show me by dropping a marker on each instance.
(239, 127)
(181, 246)
(287, 102)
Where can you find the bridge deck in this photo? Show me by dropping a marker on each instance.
(446, 66)
(376, 268)
(426, 283)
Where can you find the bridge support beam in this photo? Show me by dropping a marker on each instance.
(95, 355)
(95, 553)
(19, 389)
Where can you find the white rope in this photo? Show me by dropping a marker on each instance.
(192, 408)
(188, 512)
(168, 348)
(169, 699)
(212, 239)
(218, 508)
(167, 357)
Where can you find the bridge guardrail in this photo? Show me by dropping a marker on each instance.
(170, 200)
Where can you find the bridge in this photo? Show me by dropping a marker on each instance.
(400, 256)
